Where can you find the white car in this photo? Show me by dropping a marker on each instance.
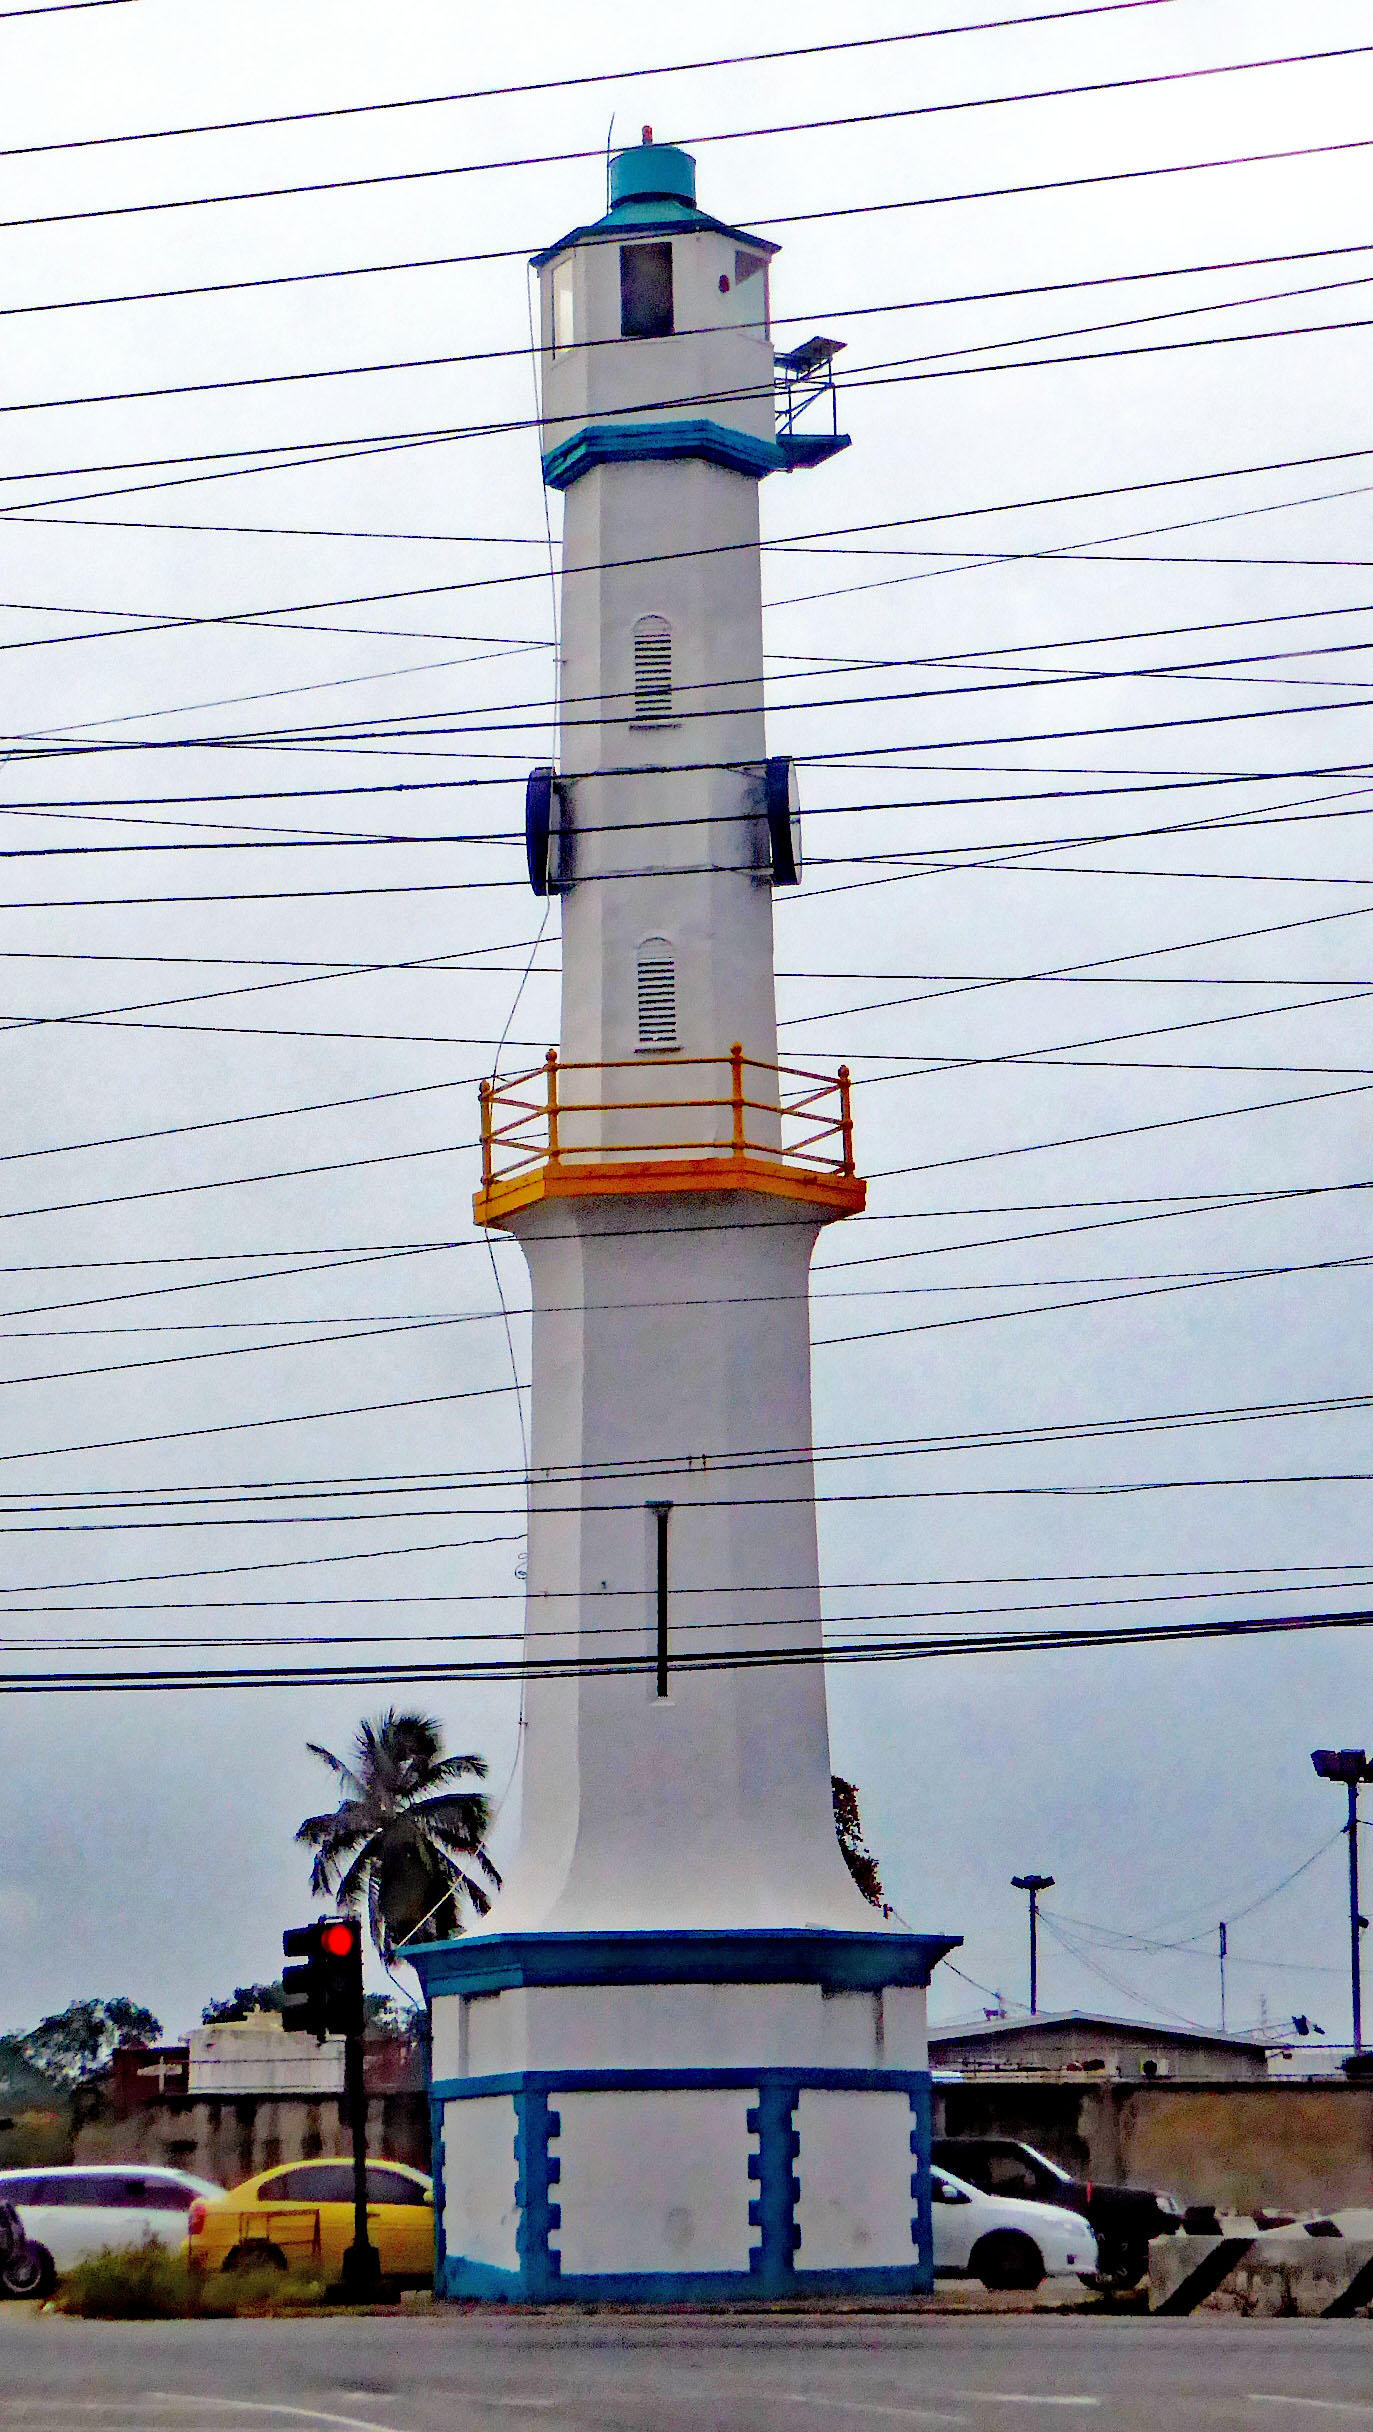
(1003, 2241)
(70, 2214)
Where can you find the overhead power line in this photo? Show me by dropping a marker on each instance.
(859, 376)
(444, 261)
(688, 1659)
(1171, 77)
(560, 84)
(279, 456)
(57, 8)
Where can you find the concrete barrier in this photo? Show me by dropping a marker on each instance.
(1256, 2273)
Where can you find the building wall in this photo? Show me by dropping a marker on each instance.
(233, 2138)
(1296, 2147)
(1078, 2043)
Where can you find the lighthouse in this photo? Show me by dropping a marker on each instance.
(682, 2057)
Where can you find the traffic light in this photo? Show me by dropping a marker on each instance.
(323, 1996)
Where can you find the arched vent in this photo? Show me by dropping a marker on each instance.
(657, 1005)
(652, 672)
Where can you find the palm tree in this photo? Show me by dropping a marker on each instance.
(399, 1832)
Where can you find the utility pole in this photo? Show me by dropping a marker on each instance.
(1034, 1885)
(1224, 1948)
(1350, 1766)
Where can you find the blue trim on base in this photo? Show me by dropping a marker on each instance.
(915, 2082)
(773, 2210)
(535, 2172)
(772, 2270)
(598, 443)
(436, 2174)
(461, 2278)
(841, 1960)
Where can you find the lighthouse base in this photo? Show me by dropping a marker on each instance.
(692, 2116)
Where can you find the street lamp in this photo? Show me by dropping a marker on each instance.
(1034, 1885)
(1350, 1766)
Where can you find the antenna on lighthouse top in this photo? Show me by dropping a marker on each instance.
(610, 130)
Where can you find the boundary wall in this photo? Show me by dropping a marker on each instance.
(1292, 2145)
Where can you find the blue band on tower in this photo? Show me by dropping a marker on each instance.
(839, 1959)
(710, 442)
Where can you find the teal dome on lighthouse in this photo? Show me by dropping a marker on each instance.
(661, 172)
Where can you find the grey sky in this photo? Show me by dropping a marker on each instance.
(145, 1843)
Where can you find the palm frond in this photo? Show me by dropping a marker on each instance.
(335, 1764)
(404, 1839)
(453, 1768)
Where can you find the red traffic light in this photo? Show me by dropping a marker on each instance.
(340, 1941)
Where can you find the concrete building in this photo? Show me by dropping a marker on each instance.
(255, 2055)
(682, 2056)
(1077, 2043)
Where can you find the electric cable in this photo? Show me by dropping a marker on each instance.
(861, 375)
(687, 1660)
(561, 84)
(1170, 77)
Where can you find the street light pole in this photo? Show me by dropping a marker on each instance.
(1350, 1766)
(1034, 1885)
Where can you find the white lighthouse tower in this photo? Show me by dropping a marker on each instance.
(682, 2056)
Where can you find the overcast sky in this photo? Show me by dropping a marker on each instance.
(1037, 1271)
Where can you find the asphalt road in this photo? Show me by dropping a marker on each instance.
(688, 2373)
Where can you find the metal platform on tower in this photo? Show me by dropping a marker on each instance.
(805, 378)
(775, 1128)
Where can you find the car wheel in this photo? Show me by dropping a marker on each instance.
(256, 2255)
(1007, 2259)
(1125, 2270)
(30, 2272)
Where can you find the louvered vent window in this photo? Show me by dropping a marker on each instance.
(657, 996)
(653, 672)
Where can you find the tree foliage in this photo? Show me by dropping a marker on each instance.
(403, 1836)
(74, 2044)
(380, 2014)
(244, 1999)
(857, 1856)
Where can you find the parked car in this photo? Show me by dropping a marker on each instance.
(21, 2271)
(69, 2215)
(302, 2217)
(1002, 2241)
(1124, 2218)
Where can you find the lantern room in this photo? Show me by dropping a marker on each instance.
(659, 313)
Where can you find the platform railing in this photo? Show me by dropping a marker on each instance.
(783, 1113)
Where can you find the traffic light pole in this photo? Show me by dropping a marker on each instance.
(322, 1996)
(361, 2263)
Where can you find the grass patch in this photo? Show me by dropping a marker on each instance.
(150, 2284)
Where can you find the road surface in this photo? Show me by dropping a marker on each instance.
(606, 2372)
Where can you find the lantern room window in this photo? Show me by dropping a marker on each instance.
(753, 266)
(564, 323)
(646, 291)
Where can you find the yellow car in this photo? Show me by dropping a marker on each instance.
(300, 2217)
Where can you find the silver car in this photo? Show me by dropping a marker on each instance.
(70, 2214)
(1004, 2241)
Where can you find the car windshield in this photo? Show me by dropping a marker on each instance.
(1055, 2169)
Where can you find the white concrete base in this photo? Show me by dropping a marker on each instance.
(710, 2137)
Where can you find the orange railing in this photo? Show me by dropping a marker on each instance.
(805, 1122)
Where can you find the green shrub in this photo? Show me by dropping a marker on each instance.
(150, 2284)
